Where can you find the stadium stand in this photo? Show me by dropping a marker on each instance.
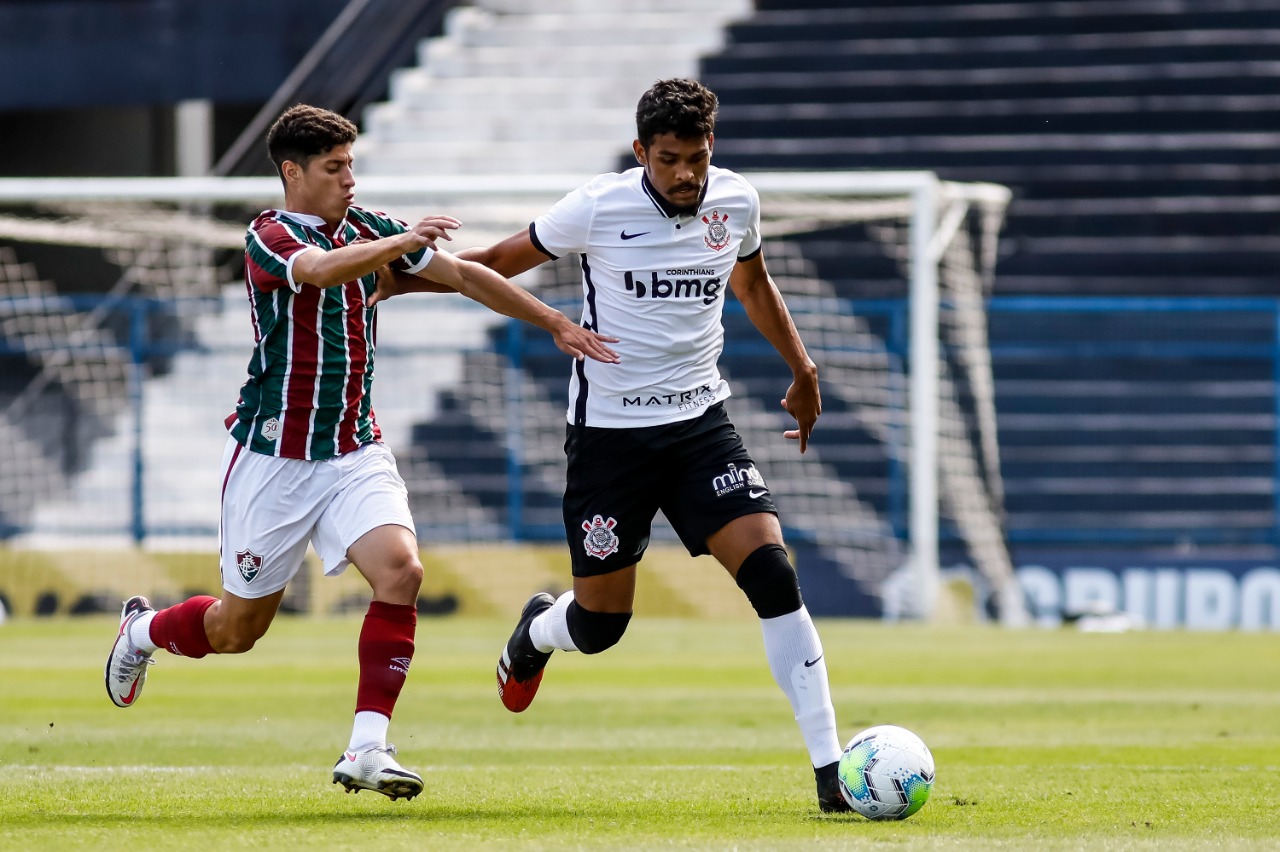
(519, 88)
(1133, 328)
(1139, 138)
(1133, 176)
(63, 377)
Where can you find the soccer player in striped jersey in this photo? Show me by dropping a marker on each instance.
(660, 245)
(304, 462)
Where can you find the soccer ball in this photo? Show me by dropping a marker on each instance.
(886, 772)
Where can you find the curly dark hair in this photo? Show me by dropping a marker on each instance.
(303, 131)
(683, 107)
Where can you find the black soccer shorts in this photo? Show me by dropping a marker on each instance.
(696, 471)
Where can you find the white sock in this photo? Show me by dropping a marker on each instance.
(140, 633)
(550, 630)
(795, 657)
(369, 730)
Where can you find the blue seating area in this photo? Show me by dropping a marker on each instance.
(1140, 142)
(1139, 138)
(1123, 424)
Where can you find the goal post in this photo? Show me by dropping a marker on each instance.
(916, 387)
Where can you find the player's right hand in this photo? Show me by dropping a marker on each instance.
(580, 342)
(432, 228)
(803, 402)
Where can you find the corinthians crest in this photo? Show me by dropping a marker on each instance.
(600, 540)
(717, 230)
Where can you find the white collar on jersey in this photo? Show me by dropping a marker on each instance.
(304, 218)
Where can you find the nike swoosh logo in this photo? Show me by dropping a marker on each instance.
(128, 699)
(351, 757)
(811, 663)
(756, 495)
(624, 235)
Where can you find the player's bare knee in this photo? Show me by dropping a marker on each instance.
(769, 582)
(400, 581)
(408, 576)
(593, 632)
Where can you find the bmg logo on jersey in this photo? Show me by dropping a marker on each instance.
(707, 289)
(740, 477)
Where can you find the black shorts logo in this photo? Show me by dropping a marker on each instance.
(600, 540)
(737, 478)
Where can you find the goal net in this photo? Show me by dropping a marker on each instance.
(124, 335)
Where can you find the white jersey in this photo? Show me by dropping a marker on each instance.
(656, 279)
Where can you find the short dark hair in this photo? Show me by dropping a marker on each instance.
(303, 131)
(683, 107)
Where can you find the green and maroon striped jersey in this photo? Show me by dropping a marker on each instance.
(308, 395)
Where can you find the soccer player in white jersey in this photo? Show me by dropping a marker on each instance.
(661, 246)
(304, 462)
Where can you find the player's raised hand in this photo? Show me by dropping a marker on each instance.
(803, 402)
(436, 227)
(573, 339)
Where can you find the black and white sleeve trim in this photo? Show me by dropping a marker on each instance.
(537, 243)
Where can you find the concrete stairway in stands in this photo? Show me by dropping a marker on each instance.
(528, 88)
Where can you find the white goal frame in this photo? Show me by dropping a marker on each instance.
(937, 209)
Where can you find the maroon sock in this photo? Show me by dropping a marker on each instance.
(180, 628)
(386, 648)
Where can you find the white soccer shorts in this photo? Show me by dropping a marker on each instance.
(272, 508)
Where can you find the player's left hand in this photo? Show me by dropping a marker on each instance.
(573, 339)
(803, 402)
(388, 286)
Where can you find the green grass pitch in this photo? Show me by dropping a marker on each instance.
(677, 738)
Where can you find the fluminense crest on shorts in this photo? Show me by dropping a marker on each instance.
(600, 540)
(249, 564)
(717, 230)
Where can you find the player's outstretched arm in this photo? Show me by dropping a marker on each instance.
(393, 282)
(767, 311)
(495, 292)
(333, 267)
(509, 258)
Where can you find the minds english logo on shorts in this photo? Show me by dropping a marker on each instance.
(693, 282)
(737, 478)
